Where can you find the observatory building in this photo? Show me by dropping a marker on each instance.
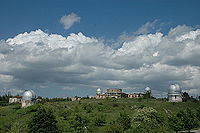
(98, 91)
(175, 94)
(116, 93)
(99, 94)
(28, 98)
(147, 89)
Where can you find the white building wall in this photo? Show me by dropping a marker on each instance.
(175, 98)
(14, 100)
(26, 103)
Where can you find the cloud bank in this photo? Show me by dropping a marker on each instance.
(69, 20)
(77, 62)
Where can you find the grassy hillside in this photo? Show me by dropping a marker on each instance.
(14, 119)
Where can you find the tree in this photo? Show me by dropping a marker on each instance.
(4, 99)
(124, 120)
(122, 124)
(99, 121)
(147, 119)
(185, 96)
(88, 108)
(175, 123)
(114, 128)
(147, 95)
(43, 121)
(80, 124)
(188, 118)
(198, 114)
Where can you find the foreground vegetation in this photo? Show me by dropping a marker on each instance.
(99, 116)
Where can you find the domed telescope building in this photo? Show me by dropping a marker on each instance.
(28, 98)
(147, 89)
(174, 93)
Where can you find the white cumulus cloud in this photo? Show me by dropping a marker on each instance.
(69, 20)
(78, 62)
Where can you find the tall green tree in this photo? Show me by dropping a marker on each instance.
(124, 121)
(99, 120)
(198, 114)
(188, 118)
(148, 120)
(147, 95)
(43, 121)
(186, 97)
(175, 123)
(80, 124)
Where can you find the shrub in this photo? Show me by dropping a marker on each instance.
(65, 114)
(198, 114)
(175, 124)
(99, 121)
(124, 121)
(115, 105)
(43, 121)
(183, 120)
(88, 108)
(114, 128)
(100, 103)
(79, 124)
(149, 120)
(188, 118)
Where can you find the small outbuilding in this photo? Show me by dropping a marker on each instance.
(15, 99)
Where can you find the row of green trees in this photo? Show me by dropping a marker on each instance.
(144, 120)
(4, 99)
(43, 121)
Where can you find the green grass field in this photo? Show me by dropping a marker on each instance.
(14, 119)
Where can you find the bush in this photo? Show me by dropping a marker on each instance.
(198, 114)
(99, 121)
(88, 108)
(148, 120)
(188, 118)
(100, 103)
(79, 124)
(122, 124)
(124, 121)
(65, 114)
(115, 105)
(175, 124)
(114, 128)
(43, 121)
(3, 103)
(183, 120)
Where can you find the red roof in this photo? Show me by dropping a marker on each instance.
(17, 97)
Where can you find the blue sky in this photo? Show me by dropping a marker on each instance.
(99, 18)
(63, 48)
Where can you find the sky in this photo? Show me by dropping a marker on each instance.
(66, 48)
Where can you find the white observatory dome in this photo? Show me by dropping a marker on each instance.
(28, 95)
(174, 89)
(147, 89)
(98, 91)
